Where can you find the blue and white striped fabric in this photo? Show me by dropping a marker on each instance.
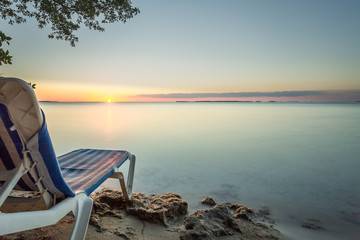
(85, 169)
(82, 170)
(11, 150)
(39, 149)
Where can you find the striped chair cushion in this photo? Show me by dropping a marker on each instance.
(85, 169)
(11, 150)
(41, 150)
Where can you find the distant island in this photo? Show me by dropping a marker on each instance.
(236, 101)
(271, 101)
(215, 101)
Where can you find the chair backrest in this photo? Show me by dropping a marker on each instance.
(23, 130)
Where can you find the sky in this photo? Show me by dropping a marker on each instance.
(200, 50)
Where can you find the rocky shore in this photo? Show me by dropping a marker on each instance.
(161, 217)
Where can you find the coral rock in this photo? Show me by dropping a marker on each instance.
(208, 224)
(242, 211)
(208, 201)
(157, 208)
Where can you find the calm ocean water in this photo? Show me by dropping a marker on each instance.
(300, 160)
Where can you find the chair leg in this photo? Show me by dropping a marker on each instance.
(126, 189)
(130, 178)
(120, 177)
(82, 214)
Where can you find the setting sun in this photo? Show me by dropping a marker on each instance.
(109, 100)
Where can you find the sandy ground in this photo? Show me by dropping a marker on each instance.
(128, 228)
(119, 224)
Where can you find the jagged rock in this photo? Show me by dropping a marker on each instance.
(208, 224)
(152, 208)
(96, 222)
(195, 235)
(21, 237)
(157, 208)
(123, 235)
(108, 203)
(46, 237)
(313, 224)
(265, 211)
(208, 201)
(109, 199)
(241, 211)
(263, 215)
(310, 226)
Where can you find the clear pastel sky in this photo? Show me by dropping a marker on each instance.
(199, 47)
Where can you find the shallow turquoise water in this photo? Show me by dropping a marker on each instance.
(301, 160)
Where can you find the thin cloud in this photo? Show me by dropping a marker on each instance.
(235, 94)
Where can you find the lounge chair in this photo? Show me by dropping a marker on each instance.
(28, 163)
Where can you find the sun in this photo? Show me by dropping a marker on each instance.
(109, 100)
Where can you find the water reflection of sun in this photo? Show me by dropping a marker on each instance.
(109, 100)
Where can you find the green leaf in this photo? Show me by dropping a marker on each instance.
(65, 17)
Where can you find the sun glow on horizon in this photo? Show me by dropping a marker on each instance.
(114, 93)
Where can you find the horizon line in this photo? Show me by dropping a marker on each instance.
(210, 101)
(302, 93)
